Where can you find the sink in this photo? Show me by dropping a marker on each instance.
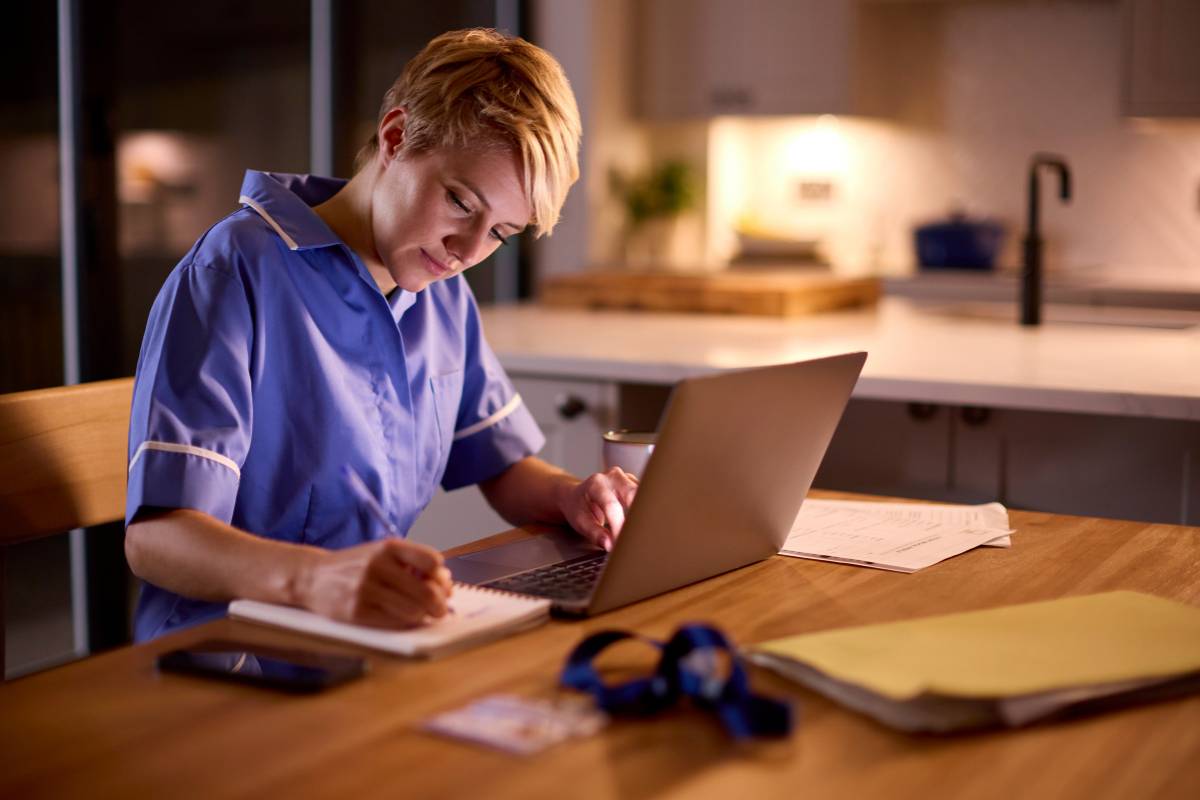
(1072, 315)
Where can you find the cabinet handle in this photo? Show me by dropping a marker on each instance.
(731, 98)
(974, 416)
(922, 411)
(571, 407)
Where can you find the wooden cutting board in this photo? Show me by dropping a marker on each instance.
(779, 293)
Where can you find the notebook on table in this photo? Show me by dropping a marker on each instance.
(479, 616)
(1010, 666)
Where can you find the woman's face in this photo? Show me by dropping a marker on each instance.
(437, 213)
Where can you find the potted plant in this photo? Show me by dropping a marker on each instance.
(653, 202)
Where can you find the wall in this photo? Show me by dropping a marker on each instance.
(592, 41)
(1013, 79)
(1021, 78)
(1010, 79)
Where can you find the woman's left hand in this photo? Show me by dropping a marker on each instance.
(596, 506)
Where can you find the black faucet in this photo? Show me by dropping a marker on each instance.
(1031, 272)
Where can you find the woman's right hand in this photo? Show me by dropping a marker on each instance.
(390, 583)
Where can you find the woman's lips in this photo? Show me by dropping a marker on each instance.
(435, 267)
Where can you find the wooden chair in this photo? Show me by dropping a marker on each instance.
(62, 462)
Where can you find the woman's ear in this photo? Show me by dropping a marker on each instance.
(391, 133)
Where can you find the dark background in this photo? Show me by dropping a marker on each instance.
(174, 102)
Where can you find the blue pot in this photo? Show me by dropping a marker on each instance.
(958, 243)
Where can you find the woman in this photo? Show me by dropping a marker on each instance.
(326, 323)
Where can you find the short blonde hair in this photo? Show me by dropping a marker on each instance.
(479, 85)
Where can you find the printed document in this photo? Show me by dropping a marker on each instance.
(903, 537)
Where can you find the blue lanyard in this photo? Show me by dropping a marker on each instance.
(681, 672)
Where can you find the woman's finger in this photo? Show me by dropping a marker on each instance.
(383, 609)
(626, 486)
(586, 519)
(425, 591)
(421, 557)
(601, 493)
(421, 596)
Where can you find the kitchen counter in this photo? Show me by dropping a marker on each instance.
(914, 355)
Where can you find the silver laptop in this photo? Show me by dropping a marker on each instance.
(735, 457)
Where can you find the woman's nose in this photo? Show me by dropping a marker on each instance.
(470, 244)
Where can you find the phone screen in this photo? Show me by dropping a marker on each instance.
(288, 669)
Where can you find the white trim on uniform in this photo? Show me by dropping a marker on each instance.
(289, 241)
(509, 407)
(186, 449)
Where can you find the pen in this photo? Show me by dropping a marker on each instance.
(358, 488)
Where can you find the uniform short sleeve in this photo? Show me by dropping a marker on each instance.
(493, 429)
(190, 423)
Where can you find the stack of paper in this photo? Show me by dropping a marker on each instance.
(1009, 665)
(904, 537)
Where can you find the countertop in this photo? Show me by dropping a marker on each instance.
(913, 355)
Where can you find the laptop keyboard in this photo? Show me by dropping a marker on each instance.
(566, 580)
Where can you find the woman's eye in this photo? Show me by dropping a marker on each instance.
(496, 235)
(458, 202)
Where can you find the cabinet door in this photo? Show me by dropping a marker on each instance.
(887, 448)
(1162, 58)
(573, 415)
(1101, 466)
(703, 58)
(671, 51)
(796, 55)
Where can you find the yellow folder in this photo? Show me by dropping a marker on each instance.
(1011, 651)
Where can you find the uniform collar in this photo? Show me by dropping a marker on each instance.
(400, 300)
(285, 202)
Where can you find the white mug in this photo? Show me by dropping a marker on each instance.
(629, 450)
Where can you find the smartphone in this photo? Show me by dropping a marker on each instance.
(289, 670)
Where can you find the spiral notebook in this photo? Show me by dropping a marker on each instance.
(479, 615)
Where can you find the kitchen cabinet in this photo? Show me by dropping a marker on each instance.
(1087, 464)
(704, 58)
(1101, 420)
(1161, 70)
(887, 448)
(573, 415)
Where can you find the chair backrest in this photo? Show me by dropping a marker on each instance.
(62, 458)
(62, 462)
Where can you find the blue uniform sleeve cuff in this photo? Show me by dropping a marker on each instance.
(178, 480)
(486, 453)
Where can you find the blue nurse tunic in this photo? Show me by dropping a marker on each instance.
(271, 358)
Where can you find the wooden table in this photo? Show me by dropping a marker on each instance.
(111, 726)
